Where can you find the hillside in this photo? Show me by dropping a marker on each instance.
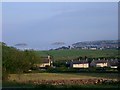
(98, 44)
(71, 54)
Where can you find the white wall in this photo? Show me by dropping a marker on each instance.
(81, 65)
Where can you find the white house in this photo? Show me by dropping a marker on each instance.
(79, 64)
(46, 61)
(113, 63)
(99, 63)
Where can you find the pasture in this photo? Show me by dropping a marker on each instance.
(60, 80)
(71, 54)
(60, 76)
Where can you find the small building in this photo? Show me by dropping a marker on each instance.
(79, 64)
(45, 62)
(93, 48)
(113, 63)
(84, 48)
(99, 63)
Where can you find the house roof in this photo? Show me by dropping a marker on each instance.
(113, 62)
(110, 62)
(45, 60)
(79, 62)
(100, 61)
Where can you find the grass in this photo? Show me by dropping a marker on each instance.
(18, 80)
(102, 75)
(16, 85)
(71, 54)
(46, 76)
(59, 76)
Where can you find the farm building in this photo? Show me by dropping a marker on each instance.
(79, 64)
(99, 63)
(104, 63)
(113, 63)
(45, 62)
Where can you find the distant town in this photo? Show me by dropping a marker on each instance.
(93, 45)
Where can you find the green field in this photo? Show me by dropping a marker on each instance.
(27, 80)
(60, 76)
(46, 76)
(71, 54)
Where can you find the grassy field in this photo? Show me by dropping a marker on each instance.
(46, 76)
(27, 80)
(29, 86)
(71, 54)
(60, 76)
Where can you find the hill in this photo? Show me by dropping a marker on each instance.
(104, 44)
(74, 53)
(93, 45)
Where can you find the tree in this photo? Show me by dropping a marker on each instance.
(16, 61)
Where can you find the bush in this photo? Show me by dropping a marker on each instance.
(4, 74)
(16, 61)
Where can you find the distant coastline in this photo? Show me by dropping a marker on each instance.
(103, 44)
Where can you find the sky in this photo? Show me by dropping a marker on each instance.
(41, 24)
